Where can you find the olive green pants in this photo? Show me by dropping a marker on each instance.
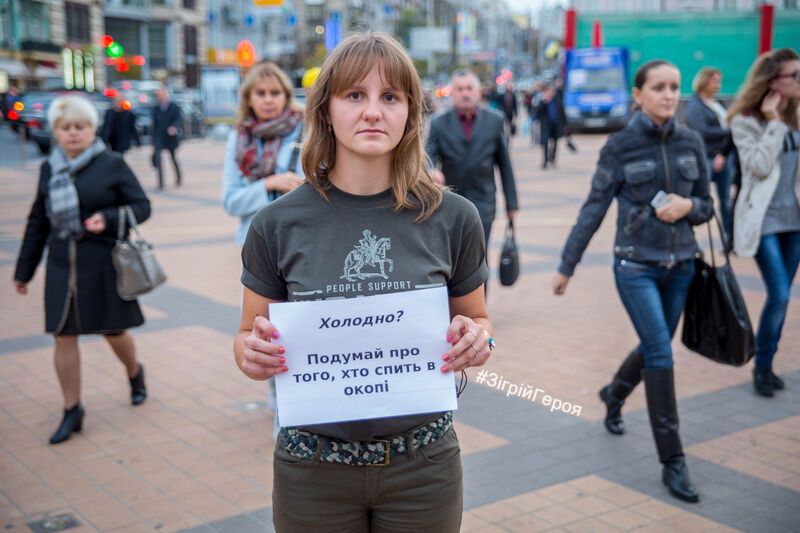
(419, 491)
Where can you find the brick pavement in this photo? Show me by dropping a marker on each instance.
(196, 456)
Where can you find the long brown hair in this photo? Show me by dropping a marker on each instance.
(259, 73)
(756, 87)
(412, 185)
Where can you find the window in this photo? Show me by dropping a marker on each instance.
(190, 41)
(35, 25)
(157, 44)
(191, 68)
(77, 22)
(189, 4)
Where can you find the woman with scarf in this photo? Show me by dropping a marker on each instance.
(261, 157)
(75, 215)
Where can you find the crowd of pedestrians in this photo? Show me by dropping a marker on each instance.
(295, 175)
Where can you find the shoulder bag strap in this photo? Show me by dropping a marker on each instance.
(132, 222)
(298, 145)
(121, 221)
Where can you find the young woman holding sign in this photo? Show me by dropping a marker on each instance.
(368, 192)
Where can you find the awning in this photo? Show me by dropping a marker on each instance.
(17, 69)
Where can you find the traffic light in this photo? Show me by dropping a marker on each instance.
(245, 53)
(115, 50)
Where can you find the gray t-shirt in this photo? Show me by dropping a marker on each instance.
(301, 247)
(783, 213)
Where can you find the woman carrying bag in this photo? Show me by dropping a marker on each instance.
(654, 250)
(75, 215)
(764, 122)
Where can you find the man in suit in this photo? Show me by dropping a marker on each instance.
(167, 120)
(469, 141)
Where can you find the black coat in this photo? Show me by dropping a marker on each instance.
(119, 130)
(703, 120)
(105, 183)
(551, 129)
(468, 167)
(163, 120)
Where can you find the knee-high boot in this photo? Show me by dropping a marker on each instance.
(659, 384)
(614, 394)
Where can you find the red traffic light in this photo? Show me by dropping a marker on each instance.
(106, 41)
(139, 61)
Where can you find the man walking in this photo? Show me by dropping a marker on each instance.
(469, 141)
(166, 121)
(552, 119)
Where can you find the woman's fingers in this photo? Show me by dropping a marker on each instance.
(468, 342)
(264, 329)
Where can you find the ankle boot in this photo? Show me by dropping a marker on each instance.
(777, 383)
(663, 411)
(72, 422)
(615, 393)
(762, 382)
(138, 389)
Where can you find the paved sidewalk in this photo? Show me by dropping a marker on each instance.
(197, 455)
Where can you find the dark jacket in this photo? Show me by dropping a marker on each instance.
(119, 130)
(509, 105)
(548, 127)
(634, 165)
(699, 117)
(105, 183)
(163, 120)
(468, 167)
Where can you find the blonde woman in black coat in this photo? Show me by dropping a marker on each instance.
(75, 215)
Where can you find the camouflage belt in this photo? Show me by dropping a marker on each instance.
(303, 444)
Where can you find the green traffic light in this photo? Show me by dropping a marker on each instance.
(115, 50)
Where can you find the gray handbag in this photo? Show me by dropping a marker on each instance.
(138, 272)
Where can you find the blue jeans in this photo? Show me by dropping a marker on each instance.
(777, 259)
(654, 297)
(723, 180)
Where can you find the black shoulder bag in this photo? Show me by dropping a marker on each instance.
(715, 320)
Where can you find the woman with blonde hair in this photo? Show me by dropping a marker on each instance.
(764, 122)
(261, 157)
(707, 116)
(76, 215)
(367, 181)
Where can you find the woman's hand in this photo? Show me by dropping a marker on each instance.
(262, 358)
(470, 344)
(21, 287)
(95, 223)
(286, 182)
(769, 106)
(677, 208)
(560, 282)
(718, 163)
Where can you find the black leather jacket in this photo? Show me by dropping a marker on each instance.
(634, 165)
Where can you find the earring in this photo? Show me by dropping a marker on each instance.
(330, 129)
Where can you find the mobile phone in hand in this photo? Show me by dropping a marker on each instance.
(659, 200)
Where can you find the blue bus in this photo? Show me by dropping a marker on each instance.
(596, 93)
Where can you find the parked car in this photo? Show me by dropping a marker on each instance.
(34, 116)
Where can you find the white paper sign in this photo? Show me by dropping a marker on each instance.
(362, 358)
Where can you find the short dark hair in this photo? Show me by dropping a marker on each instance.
(641, 74)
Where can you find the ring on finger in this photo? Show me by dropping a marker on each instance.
(477, 351)
(473, 334)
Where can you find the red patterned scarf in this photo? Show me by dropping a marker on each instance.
(271, 132)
